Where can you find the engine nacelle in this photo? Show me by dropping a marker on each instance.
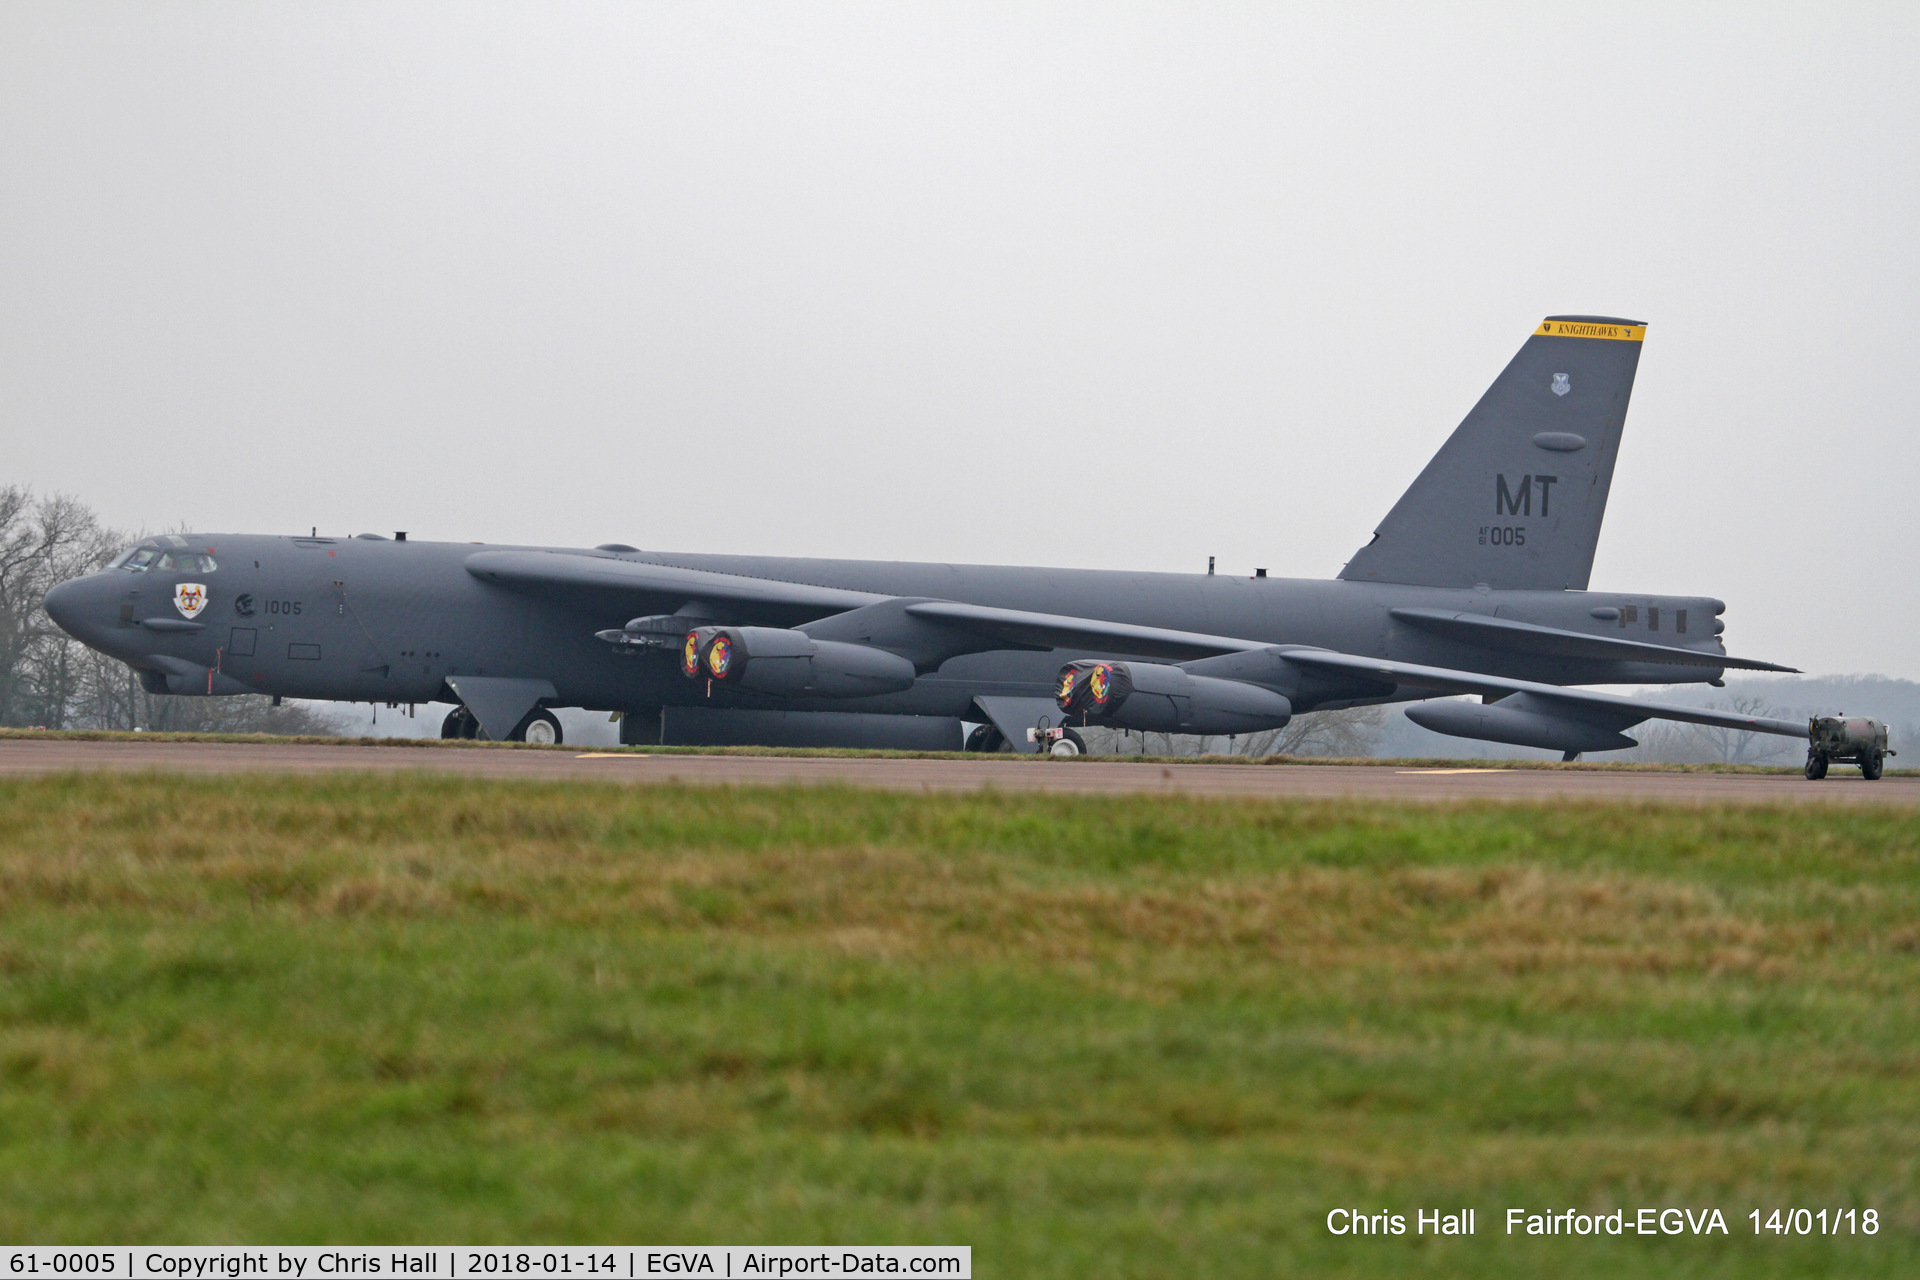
(1519, 720)
(1153, 697)
(791, 664)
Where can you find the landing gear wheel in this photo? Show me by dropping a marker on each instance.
(987, 739)
(459, 724)
(539, 728)
(1070, 744)
(1816, 766)
(1870, 767)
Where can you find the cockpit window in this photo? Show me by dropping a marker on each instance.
(136, 559)
(186, 562)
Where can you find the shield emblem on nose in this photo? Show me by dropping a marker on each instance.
(189, 598)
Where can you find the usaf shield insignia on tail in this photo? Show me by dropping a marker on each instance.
(190, 598)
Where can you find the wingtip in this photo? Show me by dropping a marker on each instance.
(1754, 664)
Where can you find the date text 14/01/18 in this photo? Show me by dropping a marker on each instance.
(1822, 1222)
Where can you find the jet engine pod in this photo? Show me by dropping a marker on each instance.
(694, 653)
(1092, 689)
(1156, 698)
(792, 664)
(1520, 720)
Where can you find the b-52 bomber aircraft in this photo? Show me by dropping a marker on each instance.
(1475, 583)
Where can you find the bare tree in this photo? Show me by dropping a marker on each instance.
(1671, 742)
(1352, 732)
(1348, 733)
(42, 541)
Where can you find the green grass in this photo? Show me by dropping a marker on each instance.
(1139, 1036)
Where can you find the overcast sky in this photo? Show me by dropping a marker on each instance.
(1078, 285)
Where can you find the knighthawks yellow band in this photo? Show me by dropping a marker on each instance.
(1591, 329)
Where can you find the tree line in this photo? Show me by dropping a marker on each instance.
(50, 680)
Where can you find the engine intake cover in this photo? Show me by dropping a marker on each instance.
(792, 664)
(1153, 697)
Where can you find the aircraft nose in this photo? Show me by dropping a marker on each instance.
(61, 605)
(68, 604)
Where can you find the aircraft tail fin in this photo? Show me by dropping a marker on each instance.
(1515, 497)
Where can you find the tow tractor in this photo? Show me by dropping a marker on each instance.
(1846, 740)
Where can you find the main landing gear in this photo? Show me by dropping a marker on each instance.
(1068, 743)
(1055, 742)
(540, 727)
(988, 740)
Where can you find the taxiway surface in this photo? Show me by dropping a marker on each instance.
(21, 756)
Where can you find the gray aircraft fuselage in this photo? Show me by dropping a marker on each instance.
(377, 620)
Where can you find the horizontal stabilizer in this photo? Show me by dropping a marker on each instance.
(1526, 637)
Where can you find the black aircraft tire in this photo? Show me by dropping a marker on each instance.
(1871, 766)
(1816, 766)
(540, 727)
(459, 724)
(985, 739)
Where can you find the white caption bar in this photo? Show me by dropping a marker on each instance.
(466, 1262)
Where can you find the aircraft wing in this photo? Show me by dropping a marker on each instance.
(1087, 633)
(542, 572)
(1626, 711)
(1058, 631)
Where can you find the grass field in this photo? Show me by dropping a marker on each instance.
(1136, 1036)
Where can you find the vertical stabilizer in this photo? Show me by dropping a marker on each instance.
(1515, 496)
